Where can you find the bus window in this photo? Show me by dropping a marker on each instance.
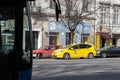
(7, 30)
(26, 38)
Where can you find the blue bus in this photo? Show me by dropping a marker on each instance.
(16, 39)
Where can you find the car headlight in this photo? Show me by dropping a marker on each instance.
(61, 51)
(98, 52)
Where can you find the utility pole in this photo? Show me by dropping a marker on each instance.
(57, 8)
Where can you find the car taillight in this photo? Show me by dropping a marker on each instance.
(33, 52)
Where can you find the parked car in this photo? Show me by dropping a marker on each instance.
(75, 51)
(109, 51)
(45, 51)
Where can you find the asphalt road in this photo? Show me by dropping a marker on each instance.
(76, 69)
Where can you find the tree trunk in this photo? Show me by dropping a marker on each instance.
(72, 38)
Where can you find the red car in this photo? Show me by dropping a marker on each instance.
(46, 51)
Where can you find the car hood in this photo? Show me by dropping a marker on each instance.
(59, 50)
(38, 50)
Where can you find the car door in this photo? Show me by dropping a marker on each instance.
(112, 51)
(117, 51)
(83, 50)
(48, 51)
(74, 51)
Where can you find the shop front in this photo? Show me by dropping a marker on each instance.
(103, 39)
(60, 35)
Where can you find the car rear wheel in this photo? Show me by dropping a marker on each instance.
(66, 56)
(90, 56)
(103, 55)
(39, 56)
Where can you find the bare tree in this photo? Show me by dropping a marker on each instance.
(75, 12)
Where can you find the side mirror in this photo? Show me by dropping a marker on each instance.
(71, 48)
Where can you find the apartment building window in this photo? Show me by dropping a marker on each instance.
(116, 16)
(52, 6)
(84, 37)
(103, 15)
(32, 3)
(46, 0)
(89, 5)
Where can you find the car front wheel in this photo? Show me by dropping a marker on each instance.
(66, 56)
(39, 56)
(103, 55)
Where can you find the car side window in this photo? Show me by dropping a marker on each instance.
(113, 48)
(50, 47)
(83, 46)
(88, 46)
(118, 48)
(75, 47)
(57, 47)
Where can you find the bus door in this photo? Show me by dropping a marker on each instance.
(15, 40)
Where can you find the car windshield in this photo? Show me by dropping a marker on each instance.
(47, 47)
(104, 48)
(43, 47)
(67, 46)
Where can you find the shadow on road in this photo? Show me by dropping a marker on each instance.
(87, 69)
(97, 76)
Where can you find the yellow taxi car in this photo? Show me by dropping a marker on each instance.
(75, 51)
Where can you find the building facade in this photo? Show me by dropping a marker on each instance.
(103, 31)
(60, 35)
(107, 23)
